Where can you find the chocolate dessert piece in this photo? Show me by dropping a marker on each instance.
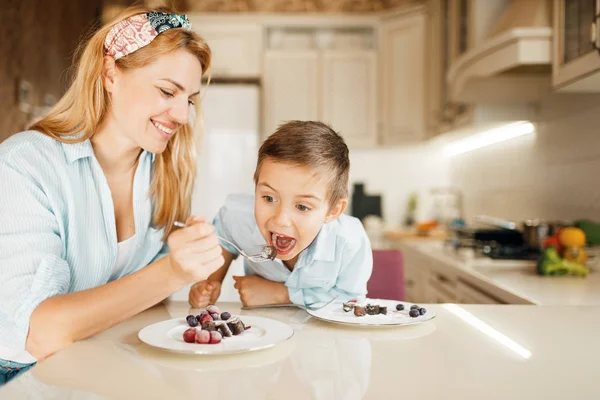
(359, 311)
(349, 305)
(209, 326)
(236, 325)
(372, 309)
(225, 331)
(383, 310)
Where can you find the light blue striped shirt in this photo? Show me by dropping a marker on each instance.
(338, 262)
(57, 227)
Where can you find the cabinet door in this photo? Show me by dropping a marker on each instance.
(468, 294)
(402, 82)
(236, 49)
(576, 61)
(349, 95)
(291, 87)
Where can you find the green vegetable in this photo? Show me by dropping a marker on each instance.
(591, 230)
(550, 263)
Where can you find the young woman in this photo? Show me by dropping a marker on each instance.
(89, 195)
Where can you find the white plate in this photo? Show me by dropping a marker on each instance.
(264, 333)
(335, 313)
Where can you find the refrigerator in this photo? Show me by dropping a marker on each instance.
(227, 157)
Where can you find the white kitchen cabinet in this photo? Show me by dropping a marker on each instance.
(349, 95)
(469, 294)
(576, 60)
(236, 47)
(291, 87)
(337, 87)
(403, 75)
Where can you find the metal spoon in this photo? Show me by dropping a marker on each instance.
(267, 253)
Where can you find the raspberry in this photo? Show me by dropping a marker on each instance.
(189, 336)
(212, 309)
(215, 337)
(204, 318)
(202, 337)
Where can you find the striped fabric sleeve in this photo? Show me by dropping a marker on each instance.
(32, 267)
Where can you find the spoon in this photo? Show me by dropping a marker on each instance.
(267, 253)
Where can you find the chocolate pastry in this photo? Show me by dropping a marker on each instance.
(359, 311)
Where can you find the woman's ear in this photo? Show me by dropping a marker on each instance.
(337, 210)
(108, 73)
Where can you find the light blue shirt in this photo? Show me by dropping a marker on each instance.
(57, 227)
(337, 263)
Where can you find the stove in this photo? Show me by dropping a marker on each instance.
(507, 252)
(497, 244)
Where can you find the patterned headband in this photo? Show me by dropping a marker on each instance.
(139, 30)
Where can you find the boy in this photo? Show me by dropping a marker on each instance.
(301, 191)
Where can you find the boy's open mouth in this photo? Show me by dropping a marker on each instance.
(283, 244)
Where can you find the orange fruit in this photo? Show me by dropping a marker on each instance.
(572, 237)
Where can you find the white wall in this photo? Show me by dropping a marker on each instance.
(553, 175)
(398, 172)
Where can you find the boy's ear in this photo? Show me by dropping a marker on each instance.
(337, 210)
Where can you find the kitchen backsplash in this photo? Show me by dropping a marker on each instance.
(553, 175)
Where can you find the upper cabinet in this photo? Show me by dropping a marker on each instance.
(291, 87)
(349, 95)
(324, 74)
(403, 78)
(489, 62)
(506, 53)
(236, 47)
(576, 63)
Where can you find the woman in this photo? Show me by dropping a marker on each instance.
(89, 195)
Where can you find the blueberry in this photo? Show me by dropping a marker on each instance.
(192, 320)
(414, 313)
(422, 311)
(414, 307)
(399, 307)
(215, 316)
(225, 315)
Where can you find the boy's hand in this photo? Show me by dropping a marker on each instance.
(204, 293)
(255, 291)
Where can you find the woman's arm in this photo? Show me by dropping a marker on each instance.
(64, 319)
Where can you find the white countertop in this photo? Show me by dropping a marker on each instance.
(467, 352)
(514, 278)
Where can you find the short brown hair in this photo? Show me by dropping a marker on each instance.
(312, 144)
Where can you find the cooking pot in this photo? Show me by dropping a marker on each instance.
(535, 231)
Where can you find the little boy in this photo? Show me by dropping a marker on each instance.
(301, 192)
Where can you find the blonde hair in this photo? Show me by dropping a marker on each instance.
(86, 102)
(310, 144)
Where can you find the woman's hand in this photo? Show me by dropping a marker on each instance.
(194, 252)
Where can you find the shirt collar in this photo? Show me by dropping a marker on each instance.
(76, 151)
(323, 247)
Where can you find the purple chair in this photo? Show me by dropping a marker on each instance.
(387, 279)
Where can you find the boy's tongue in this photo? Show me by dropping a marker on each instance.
(282, 242)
